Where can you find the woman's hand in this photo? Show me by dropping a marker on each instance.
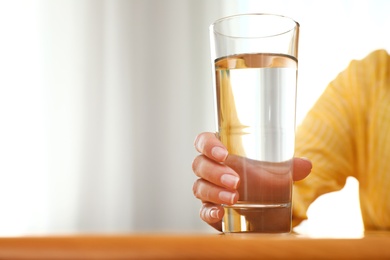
(218, 183)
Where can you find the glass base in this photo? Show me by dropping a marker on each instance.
(257, 218)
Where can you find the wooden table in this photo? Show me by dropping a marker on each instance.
(195, 246)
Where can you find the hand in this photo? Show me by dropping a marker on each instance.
(218, 181)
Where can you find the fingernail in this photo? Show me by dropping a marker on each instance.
(214, 213)
(219, 153)
(229, 181)
(227, 197)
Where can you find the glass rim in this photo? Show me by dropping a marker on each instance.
(220, 20)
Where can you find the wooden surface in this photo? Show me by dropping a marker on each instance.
(208, 246)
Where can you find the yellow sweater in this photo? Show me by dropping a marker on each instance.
(347, 133)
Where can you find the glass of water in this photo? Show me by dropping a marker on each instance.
(255, 65)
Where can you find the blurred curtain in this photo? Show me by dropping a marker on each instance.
(101, 102)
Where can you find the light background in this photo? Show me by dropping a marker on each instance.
(100, 102)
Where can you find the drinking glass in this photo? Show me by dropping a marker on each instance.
(255, 65)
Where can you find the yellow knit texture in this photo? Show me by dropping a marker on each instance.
(347, 133)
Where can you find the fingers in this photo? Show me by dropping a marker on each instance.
(216, 173)
(209, 145)
(302, 168)
(209, 192)
(212, 214)
(218, 182)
